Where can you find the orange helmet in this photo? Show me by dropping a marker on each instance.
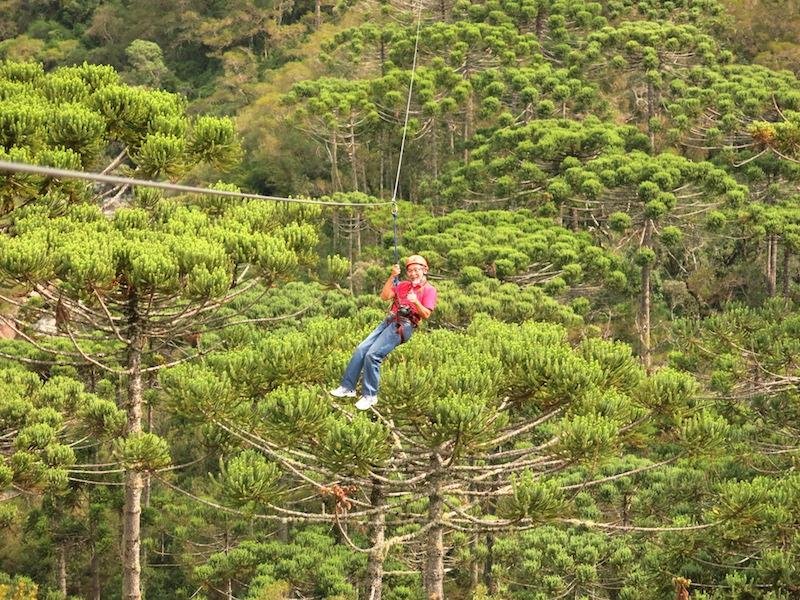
(416, 259)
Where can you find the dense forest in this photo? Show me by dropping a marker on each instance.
(604, 403)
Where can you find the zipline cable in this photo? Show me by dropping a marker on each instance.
(17, 167)
(405, 131)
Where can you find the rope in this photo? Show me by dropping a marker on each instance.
(394, 226)
(16, 167)
(405, 132)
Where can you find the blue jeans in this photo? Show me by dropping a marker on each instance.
(370, 353)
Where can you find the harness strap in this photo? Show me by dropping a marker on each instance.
(414, 319)
(399, 329)
(398, 325)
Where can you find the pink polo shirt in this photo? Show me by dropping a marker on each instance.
(426, 294)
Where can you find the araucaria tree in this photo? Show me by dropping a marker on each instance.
(493, 429)
(602, 404)
(128, 291)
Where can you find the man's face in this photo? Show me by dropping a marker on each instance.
(415, 273)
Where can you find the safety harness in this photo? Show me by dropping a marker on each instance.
(413, 318)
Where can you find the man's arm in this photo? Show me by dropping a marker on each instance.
(387, 293)
(423, 311)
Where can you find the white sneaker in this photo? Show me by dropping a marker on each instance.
(366, 402)
(343, 392)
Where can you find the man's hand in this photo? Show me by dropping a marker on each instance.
(411, 297)
(387, 293)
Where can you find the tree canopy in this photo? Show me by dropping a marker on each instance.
(603, 403)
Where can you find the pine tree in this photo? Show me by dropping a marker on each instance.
(148, 277)
(481, 431)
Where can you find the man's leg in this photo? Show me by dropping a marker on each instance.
(387, 341)
(356, 364)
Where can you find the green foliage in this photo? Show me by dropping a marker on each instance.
(507, 245)
(666, 391)
(520, 162)
(77, 128)
(291, 411)
(248, 478)
(336, 268)
(142, 452)
(311, 563)
(147, 61)
(36, 420)
(585, 561)
(194, 391)
(91, 255)
(159, 156)
(18, 588)
(447, 394)
(73, 116)
(635, 158)
(102, 417)
(213, 140)
(354, 447)
(587, 438)
(704, 432)
(533, 499)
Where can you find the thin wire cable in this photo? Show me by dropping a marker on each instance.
(405, 133)
(17, 167)
(408, 105)
(396, 252)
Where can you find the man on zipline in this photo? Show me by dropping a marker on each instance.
(412, 301)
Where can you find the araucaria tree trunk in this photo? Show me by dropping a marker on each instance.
(651, 112)
(62, 570)
(644, 309)
(433, 577)
(134, 481)
(94, 567)
(787, 255)
(772, 264)
(374, 583)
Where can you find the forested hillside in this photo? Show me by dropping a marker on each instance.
(604, 403)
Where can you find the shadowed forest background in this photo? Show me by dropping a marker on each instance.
(604, 404)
